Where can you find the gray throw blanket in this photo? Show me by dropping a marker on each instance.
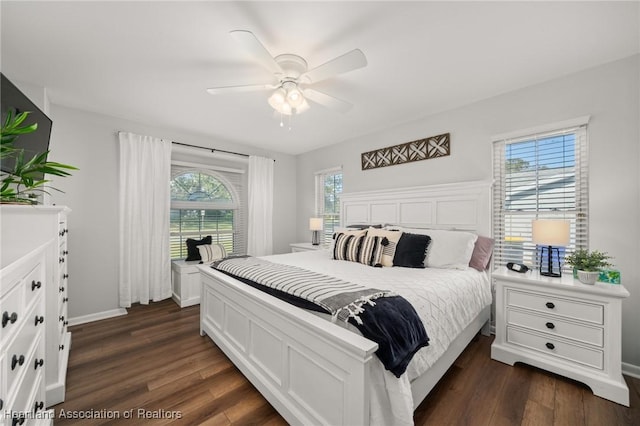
(342, 299)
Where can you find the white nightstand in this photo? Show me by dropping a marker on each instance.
(563, 326)
(185, 282)
(296, 247)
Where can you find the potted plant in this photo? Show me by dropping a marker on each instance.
(588, 264)
(21, 184)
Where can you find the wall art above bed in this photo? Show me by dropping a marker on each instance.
(422, 149)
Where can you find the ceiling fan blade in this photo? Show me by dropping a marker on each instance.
(239, 89)
(348, 62)
(327, 101)
(252, 45)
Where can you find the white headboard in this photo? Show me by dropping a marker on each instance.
(463, 205)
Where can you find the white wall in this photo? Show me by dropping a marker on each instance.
(609, 94)
(89, 141)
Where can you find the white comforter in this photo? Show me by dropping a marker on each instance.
(446, 300)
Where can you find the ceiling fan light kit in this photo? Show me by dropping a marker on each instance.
(291, 76)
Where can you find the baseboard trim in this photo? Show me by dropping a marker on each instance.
(631, 370)
(97, 316)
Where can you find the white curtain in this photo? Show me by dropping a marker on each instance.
(145, 261)
(260, 226)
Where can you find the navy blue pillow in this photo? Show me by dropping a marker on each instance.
(192, 247)
(411, 250)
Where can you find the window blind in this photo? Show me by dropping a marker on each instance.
(328, 190)
(539, 176)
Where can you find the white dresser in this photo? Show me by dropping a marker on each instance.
(23, 282)
(563, 326)
(23, 228)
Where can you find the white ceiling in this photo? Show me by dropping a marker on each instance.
(151, 62)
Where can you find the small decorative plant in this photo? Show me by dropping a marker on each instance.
(588, 264)
(21, 185)
(584, 260)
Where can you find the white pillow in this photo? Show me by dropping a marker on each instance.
(211, 252)
(448, 249)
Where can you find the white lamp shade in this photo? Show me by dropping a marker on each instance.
(550, 232)
(315, 224)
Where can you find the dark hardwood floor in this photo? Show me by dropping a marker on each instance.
(153, 363)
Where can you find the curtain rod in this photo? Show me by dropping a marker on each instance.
(213, 150)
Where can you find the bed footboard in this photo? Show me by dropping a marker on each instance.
(310, 370)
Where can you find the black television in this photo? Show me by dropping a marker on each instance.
(32, 143)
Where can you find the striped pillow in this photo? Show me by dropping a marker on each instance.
(389, 246)
(371, 251)
(211, 252)
(347, 247)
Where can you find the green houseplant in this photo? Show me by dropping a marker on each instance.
(21, 184)
(588, 264)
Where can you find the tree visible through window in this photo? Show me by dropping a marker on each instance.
(201, 205)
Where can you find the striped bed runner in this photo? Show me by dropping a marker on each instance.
(342, 299)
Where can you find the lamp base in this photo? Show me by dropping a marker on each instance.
(549, 269)
(315, 238)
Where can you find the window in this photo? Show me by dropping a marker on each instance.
(328, 190)
(205, 202)
(539, 176)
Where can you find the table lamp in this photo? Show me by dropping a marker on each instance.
(315, 225)
(552, 234)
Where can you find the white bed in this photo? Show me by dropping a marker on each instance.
(316, 372)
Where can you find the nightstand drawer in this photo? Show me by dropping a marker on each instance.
(576, 354)
(556, 327)
(572, 309)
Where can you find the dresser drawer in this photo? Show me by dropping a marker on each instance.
(556, 327)
(582, 311)
(34, 284)
(62, 318)
(28, 391)
(19, 352)
(12, 312)
(62, 229)
(576, 354)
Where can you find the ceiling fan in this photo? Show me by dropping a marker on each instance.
(292, 78)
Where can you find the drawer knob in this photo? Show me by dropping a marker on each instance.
(39, 319)
(38, 363)
(38, 406)
(61, 260)
(550, 305)
(66, 323)
(550, 325)
(550, 345)
(15, 360)
(65, 252)
(61, 318)
(61, 347)
(35, 284)
(6, 318)
(61, 289)
(64, 300)
(65, 276)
